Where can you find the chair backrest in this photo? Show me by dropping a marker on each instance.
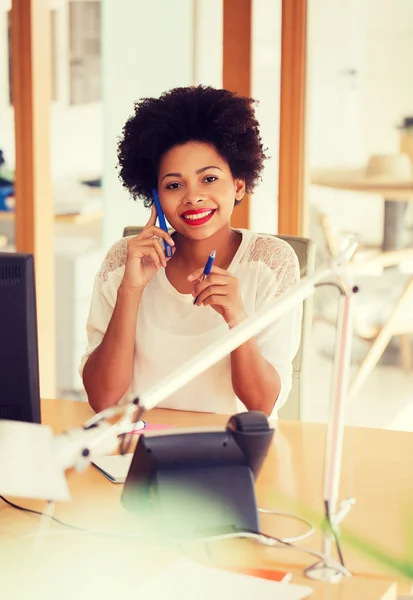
(294, 408)
(305, 251)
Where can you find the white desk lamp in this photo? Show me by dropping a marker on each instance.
(20, 472)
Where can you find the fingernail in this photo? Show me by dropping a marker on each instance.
(190, 277)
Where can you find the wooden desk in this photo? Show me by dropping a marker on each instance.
(377, 470)
(395, 198)
(331, 178)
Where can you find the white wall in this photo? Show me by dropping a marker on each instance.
(147, 48)
(208, 42)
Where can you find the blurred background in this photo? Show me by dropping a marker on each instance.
(334, 81)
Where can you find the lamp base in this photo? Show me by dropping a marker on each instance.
(321, 571)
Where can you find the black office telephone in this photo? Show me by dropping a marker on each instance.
(200, 482)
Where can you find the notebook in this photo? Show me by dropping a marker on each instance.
(115, 468)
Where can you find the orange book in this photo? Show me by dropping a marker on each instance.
(272, 574)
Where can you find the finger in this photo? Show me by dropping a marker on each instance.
(217, 291)
(152, 218)
(199, 272)
(196, 275)
(144, 248)
(160, 250)
(151, 231)
(209, 281)
(217, 300)
(150, 252)
(156, 244)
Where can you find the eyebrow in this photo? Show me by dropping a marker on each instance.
(198, 172)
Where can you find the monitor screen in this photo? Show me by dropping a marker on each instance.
(19, 364)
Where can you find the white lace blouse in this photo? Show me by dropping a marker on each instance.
(171, 330)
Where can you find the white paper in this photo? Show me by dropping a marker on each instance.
(185, 580)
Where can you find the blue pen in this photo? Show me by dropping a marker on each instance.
(207, 268)
(162, 222)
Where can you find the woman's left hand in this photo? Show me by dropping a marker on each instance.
(220, 290)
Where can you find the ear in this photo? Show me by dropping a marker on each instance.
(239, 189)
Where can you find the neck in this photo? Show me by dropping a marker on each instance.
(194, 253)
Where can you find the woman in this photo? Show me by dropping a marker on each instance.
(201, 148)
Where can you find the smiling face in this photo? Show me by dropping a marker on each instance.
(197, 190)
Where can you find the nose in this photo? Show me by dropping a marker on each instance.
(193, 196)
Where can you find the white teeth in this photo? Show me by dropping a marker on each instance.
(198, 216)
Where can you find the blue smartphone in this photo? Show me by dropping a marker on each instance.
(162, 221)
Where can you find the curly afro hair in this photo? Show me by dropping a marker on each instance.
(197, 113)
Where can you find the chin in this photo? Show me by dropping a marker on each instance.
(201, 232)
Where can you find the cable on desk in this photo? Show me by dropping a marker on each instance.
(37, 512)
(298, 538)
(75, 529)
(291, 540)
(269, 540)
(257, 536)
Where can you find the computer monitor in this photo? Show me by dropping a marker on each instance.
(19, 363)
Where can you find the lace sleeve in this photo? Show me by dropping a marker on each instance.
(279, 342)
(279, 257)
(114, 259)
(103, 299)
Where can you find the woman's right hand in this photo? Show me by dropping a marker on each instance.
(146, 255)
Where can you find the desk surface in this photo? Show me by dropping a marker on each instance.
(331, 178)
(377, 468)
